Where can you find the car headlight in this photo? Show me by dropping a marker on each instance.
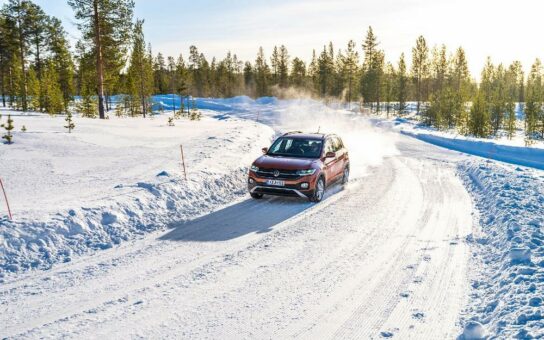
(254, 168)
(305, 172)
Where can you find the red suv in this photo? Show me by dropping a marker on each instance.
(299, 164)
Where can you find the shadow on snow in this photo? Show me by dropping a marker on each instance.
(237, 220)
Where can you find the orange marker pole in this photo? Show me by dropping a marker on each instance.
(6, 198)
(183, 162)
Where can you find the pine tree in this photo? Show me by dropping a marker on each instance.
(18, 86)
(106, 24)
(205, 74)
(460, 84)
(181, 112)
(439, 68)
(69, 122)
(194, 63)
(159, 68)
(283, 67)
(351, 69)
(8, 127)
(339, 76)
(38, 23)
(402, 84)
(262, 74)
(479, 123)
(389, 86)
(439, 113)
(7, 48)
(324, 71)
(249, 79)
(33, 91)
(120, 106)
(372, 70)
(313, 72)
(140, 72)
(420, 68)
(62, 60)
(274, 65)
(498, 99)
(87, 106)
(181, 83)
(23, 128)
(53, 98)
(195, 113)
(20, 15)
(533, 100)
(486, 82)
(510, 124)
(379, 71)
(298, 73)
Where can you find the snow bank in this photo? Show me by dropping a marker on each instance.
(501, 148)
(508, 250)
(526, 156)
(110, 181)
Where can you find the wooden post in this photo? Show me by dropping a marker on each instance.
(183, 162)
(6, 198)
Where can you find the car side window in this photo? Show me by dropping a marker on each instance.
(334, 144)
(329, 146)
(339, 143)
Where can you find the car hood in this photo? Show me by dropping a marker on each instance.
(287, 163)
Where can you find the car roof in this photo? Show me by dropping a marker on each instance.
(301, 135)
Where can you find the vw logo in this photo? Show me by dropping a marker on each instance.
(276, 173)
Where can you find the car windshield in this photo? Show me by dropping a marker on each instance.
(296, 147)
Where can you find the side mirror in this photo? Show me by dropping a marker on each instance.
(330, 154)
(264, 150)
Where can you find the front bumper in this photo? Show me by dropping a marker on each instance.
(277, 191)
(292, 187)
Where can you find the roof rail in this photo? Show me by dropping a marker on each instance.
(291, 132)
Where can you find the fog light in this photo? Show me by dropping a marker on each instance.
(304, 185)
(251, 181)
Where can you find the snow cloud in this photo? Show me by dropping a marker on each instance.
(367, 145)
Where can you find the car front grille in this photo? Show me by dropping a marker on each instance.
(275, 191)
(283, 174)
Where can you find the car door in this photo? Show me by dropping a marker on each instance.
(330, 163)
(341, 155)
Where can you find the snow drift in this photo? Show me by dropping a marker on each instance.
(525, 156)
(111, 181)
(508, 274)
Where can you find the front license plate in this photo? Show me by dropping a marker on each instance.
(275, 182)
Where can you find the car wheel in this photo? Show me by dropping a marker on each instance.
(345, 177)
(256, 196)
(319, 191)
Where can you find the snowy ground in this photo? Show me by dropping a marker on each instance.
(110, 181)
(400, 252)
(508, 264)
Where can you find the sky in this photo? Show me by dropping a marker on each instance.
(505, 30)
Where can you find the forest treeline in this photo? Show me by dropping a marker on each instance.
(40, 71)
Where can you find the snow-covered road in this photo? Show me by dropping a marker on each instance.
(383, 257)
